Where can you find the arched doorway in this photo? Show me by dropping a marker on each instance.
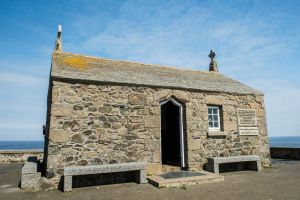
(172, 140)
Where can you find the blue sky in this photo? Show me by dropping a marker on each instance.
(257, 42)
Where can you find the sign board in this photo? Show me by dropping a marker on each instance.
(247, 117)
(248, 130)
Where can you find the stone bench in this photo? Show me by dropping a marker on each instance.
(213, 163)
(70, 171)
(30, 178)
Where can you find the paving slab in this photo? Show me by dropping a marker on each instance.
(282, 181)
(184, 178)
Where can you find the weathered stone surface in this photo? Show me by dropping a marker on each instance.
(71, 125)
(78, 107)
(181, 95)
(31, 178)
(87, 132)
(31, 181)
(61, 111)
(59, 136)
(152, 122)
(105, 109)
(157, 156)
(232, 159)
(92, 154)
(92, 109)
(140, 167)
(217, 133)
(237, 145)
(194, 144)
(136, 99)
(213, 163)
(119, 131)
(83, 162)
(131, 137)
(106, 125)
(77, 138)
(107, 168)
(116, 125)
(30, 166)
(19, 156)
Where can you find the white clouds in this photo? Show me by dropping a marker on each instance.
(20, 79)
(254, 40)
(22, 105)
(282, 99)
(160, 38)
(183, 35)
(20, 126)
(249, 43)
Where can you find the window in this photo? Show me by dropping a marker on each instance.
(214, 118)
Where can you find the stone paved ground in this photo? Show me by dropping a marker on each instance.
(282, 181)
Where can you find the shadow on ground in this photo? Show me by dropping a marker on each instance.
(282, 181)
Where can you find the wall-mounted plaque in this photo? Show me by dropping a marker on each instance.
(247, 117)
(248, 130)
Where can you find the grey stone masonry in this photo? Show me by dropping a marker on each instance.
(30, 166)
(19, 156)
(213, 163)
(101, 124)
(31, 178)
(70, 171)
(101, 112)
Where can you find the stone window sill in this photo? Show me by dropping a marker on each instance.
(216, 133)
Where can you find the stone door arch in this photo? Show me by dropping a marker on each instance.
(172, 135)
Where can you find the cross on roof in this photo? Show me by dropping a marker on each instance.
(212, 55)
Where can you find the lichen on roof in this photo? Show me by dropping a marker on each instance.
(79, 67)
(71, 61)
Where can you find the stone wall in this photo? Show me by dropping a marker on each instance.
(97, 124)
(203, 146)
(18, 156)
(285, 153)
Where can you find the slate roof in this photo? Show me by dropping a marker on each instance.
(79, 67)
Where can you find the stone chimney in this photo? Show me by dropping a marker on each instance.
(213, 66)
(58, 42)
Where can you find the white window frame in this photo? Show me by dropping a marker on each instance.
(219, 121)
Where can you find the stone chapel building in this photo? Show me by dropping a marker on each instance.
(103, 111)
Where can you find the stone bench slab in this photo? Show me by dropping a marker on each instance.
(213, 163)
(30, 166)
(100, 169)
(70, 171)
(30, 179)
(232, 159)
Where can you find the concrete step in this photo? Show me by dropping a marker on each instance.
(170, 168)
(184, 178)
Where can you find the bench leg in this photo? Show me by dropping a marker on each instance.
(212, 167)
(255, 165)
(141, 176)
(216, 168)
(67, 183)
(259, 168)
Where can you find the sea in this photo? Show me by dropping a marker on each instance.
(20, 145)
(287, 141)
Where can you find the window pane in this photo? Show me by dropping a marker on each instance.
(215, 111)
(216, 125)
(215, 117)
(209, 111)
